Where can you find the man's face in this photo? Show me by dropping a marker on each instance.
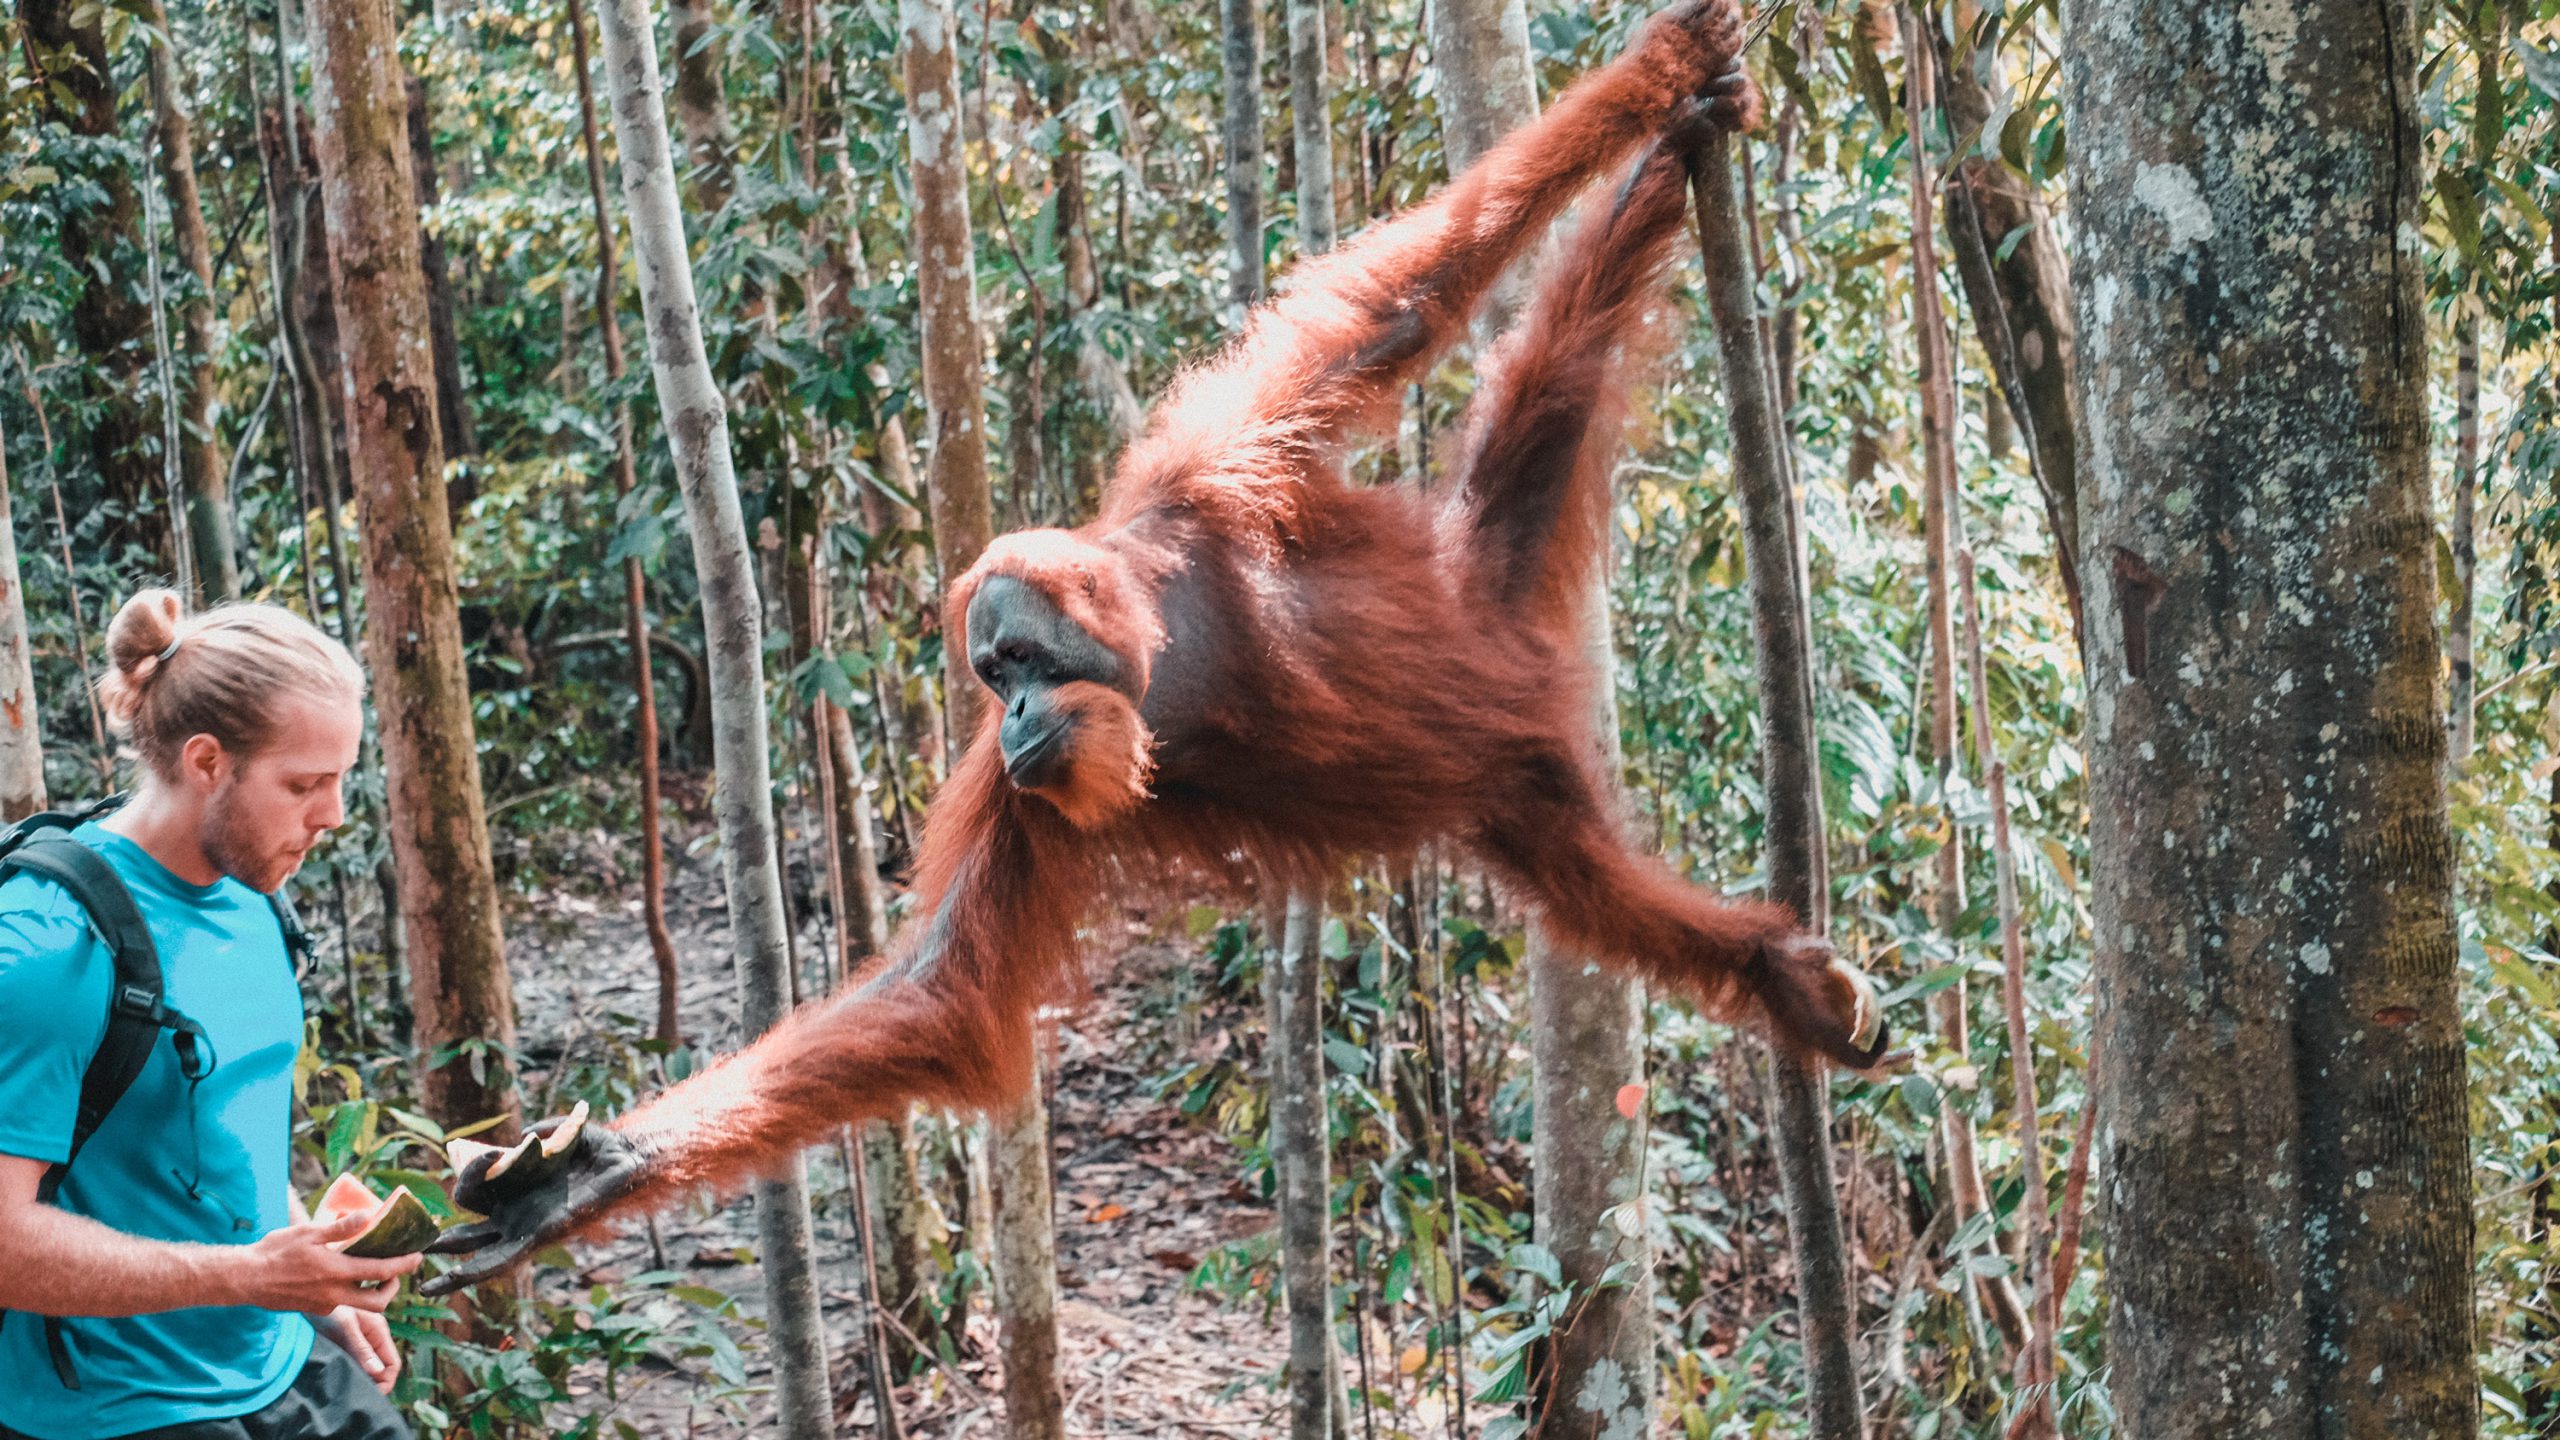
(269, 808)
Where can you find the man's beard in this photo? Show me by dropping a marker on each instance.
(236, 852)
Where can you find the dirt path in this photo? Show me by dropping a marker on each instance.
(1144, 1194)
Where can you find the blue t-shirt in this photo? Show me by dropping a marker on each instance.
(208, 1167)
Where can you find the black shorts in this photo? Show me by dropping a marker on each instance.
(330, 1400)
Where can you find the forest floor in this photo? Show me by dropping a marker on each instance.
(1144, 1193)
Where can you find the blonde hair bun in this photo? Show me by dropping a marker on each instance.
(226, 672)
(137, 639)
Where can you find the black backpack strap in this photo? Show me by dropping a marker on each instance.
(136, 1013)
(297, 941)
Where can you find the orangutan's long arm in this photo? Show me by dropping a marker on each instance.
(1326, 360)
(947, 1023)
(1530, 503)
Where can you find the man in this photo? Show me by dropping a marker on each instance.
(171, 1288)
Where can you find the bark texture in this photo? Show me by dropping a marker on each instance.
(1243, 127)
(1302, 1156)
(1486, 85)
(2021, 308)
(1944, 515)
(1586, 1024)
(448, 898)
(2284, 1070)
(453, 401)
(1790, 764)
(21, 738)
(1310, 124)
(963, 523)
(2466, 544)
(697, 425)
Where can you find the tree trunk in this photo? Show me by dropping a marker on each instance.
(963, 510)
(2466, 546)
(459, 989)
(1244, 150)
(635, 584)
(1586, 1023)
(2275, 951)
(697, 426)
(1944, 514)
(1301, 1158)
(702, 105)
(2021, 309)
(1311, 124)
(1487, 85)
(204, 476)
(1790, 762)
(102, 242)
(21, 736)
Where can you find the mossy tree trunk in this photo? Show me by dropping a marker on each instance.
(448, 897)
(1025, 1244)
(21, 738)
(2286, 1149)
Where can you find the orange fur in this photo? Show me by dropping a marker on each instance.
(1325, 670)
(1107, 761)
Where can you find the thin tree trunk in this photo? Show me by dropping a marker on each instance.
(205, 476)
(2466, 548)
(1301, 1155)
(1311, 124)
(697, 426)
(1942, 510)
(1586, 1023)
(1242, 21)
(1487, 86)
(1801, 1097)
(2288, 1150)
(635, 583)
(963, 508)
(459, 988)
(2034, 1248)
(2021, 308)
(702, 105)
(1301, 1147)
(21, 736)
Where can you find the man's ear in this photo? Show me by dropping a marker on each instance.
(203, 763)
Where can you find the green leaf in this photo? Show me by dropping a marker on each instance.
(2541, 67)
(2461, 212)
(1348, 1058)
(833, 682)
(346, 1123)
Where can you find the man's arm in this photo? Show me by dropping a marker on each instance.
(66, 1264)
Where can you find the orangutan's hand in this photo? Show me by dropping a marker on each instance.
(536, 1197)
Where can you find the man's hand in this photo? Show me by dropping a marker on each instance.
(532, 1206)
(295, 1269)
(366, 1337)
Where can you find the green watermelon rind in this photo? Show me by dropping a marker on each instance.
(403, 1228)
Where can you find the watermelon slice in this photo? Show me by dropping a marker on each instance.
(400, 1225)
